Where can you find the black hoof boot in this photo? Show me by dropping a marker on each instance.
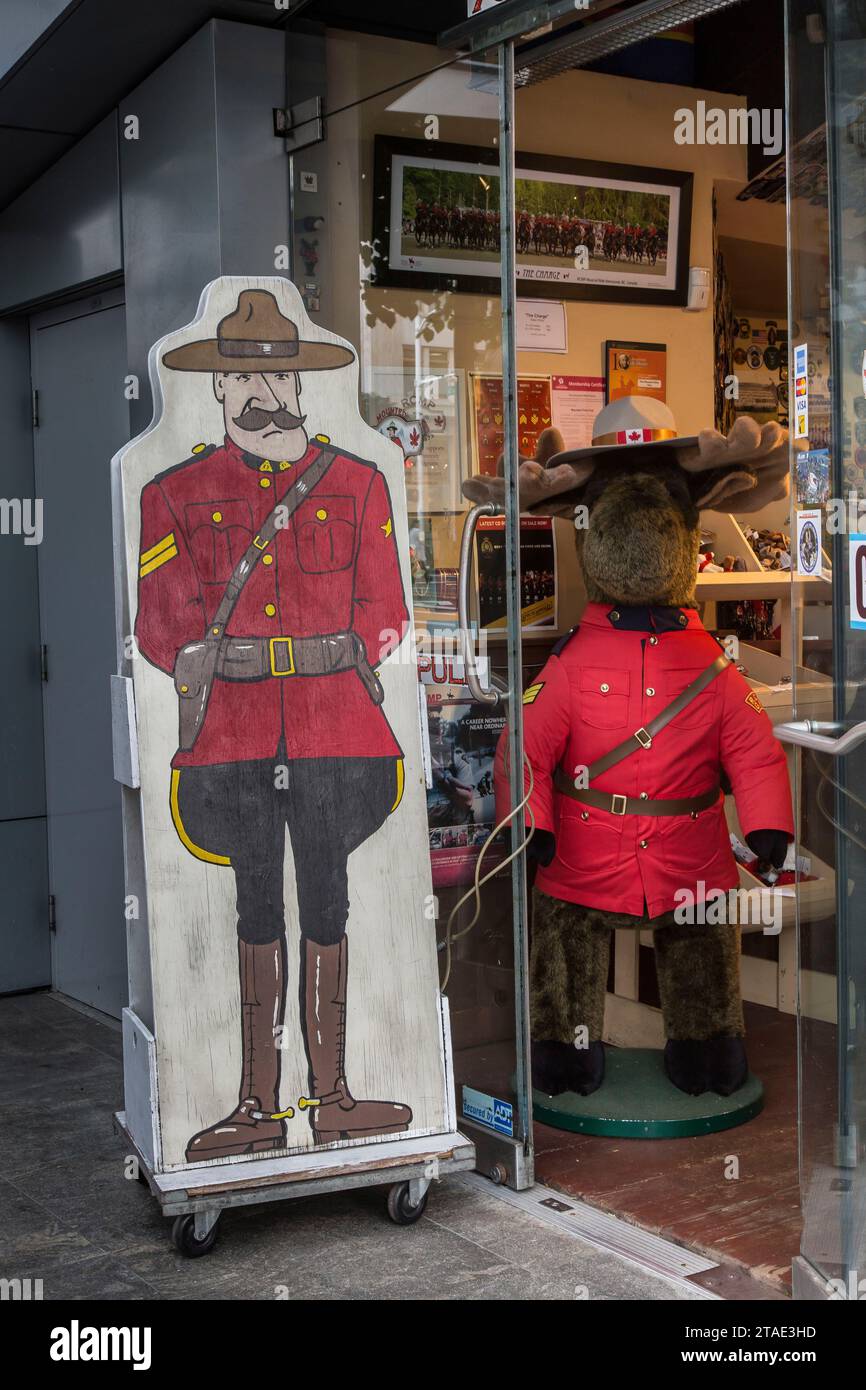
(686, 1065)
(550, 1067)
(727, 1065)
(559, 1066)
(586, 1068)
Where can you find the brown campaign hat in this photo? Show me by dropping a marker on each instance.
(257, 337)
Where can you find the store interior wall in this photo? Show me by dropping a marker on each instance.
(578, 114)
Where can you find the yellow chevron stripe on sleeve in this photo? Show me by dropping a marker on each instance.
(158, 560)
(155, 549)
(532, 692)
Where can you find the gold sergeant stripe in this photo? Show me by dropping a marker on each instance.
(157, 561)
(155, 549)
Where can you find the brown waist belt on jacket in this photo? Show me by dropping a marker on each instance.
(251, 658)
(619, 805)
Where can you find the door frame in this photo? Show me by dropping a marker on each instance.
(77, 307)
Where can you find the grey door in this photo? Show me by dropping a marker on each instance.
(77, 362)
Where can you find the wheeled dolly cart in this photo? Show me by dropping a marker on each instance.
(196, 1197)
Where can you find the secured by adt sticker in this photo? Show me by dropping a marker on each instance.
(487, 1110)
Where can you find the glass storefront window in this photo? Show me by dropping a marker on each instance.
(407, 188)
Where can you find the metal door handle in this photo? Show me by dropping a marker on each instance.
(822, 737)
(477, 691)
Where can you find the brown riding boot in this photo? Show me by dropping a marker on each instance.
(323, 1000)
(253, 1127)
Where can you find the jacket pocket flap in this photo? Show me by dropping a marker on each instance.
(604, 681)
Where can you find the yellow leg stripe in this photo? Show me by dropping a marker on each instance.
(187, 843)
(160, 560)
(400, 784)
(155, 549)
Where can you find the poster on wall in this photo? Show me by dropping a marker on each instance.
(461, 810)
(635, 369)
(424, 417)
(617, 233)
(575, 402)
(488, 434)
(537, 571)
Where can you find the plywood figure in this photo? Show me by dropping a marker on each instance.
(282, 791)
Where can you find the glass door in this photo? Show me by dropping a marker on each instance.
(398, 246)
(826, 191)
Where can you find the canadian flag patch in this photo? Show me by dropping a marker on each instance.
(634, 436)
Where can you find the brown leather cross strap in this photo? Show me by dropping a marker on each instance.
(642, 738)
(619, 805)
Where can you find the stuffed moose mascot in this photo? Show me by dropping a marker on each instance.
(632, 728)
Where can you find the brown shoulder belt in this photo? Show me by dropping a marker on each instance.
(642, 739)
(196, 663)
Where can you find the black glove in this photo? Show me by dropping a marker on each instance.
(771, 846)
(542, 847)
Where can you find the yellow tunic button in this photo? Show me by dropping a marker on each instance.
(321, 514)
(197, 448)
(266, 466)
(184, 689)
(267, 559)
(270, 609)
(284, 465)
(323, 438)
(264, 482)
(217, 516)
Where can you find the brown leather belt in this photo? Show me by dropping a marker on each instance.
(619, 805)
(252, 658)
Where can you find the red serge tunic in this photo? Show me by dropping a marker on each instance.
(334, 568)
(611, 677)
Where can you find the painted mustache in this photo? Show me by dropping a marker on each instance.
(255, 418)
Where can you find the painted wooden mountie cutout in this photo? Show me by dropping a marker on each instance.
(282, 791)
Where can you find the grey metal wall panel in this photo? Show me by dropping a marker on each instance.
(23, 23)
(25, 950)
(22, 780)
(64, 230)
(204, 188)
(170, 197)
(250, 67)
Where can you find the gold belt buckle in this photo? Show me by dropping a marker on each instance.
(618, 810)
(289, 669)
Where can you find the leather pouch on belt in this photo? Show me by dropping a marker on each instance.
(193, 678)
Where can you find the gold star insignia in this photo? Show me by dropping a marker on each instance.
(387, 528)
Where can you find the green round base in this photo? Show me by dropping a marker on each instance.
(637, 1101)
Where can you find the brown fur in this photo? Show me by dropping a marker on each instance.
(642, 542)
(697, 966)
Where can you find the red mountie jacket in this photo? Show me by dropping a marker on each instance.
(611, 677)
(334, 568)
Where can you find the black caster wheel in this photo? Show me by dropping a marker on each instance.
(186, 1241)
(400, 1209)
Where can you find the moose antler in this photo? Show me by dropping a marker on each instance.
(748, 467)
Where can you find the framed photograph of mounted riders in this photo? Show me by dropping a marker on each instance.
(615, 233)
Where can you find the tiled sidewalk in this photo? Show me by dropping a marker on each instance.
(70, 1218)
